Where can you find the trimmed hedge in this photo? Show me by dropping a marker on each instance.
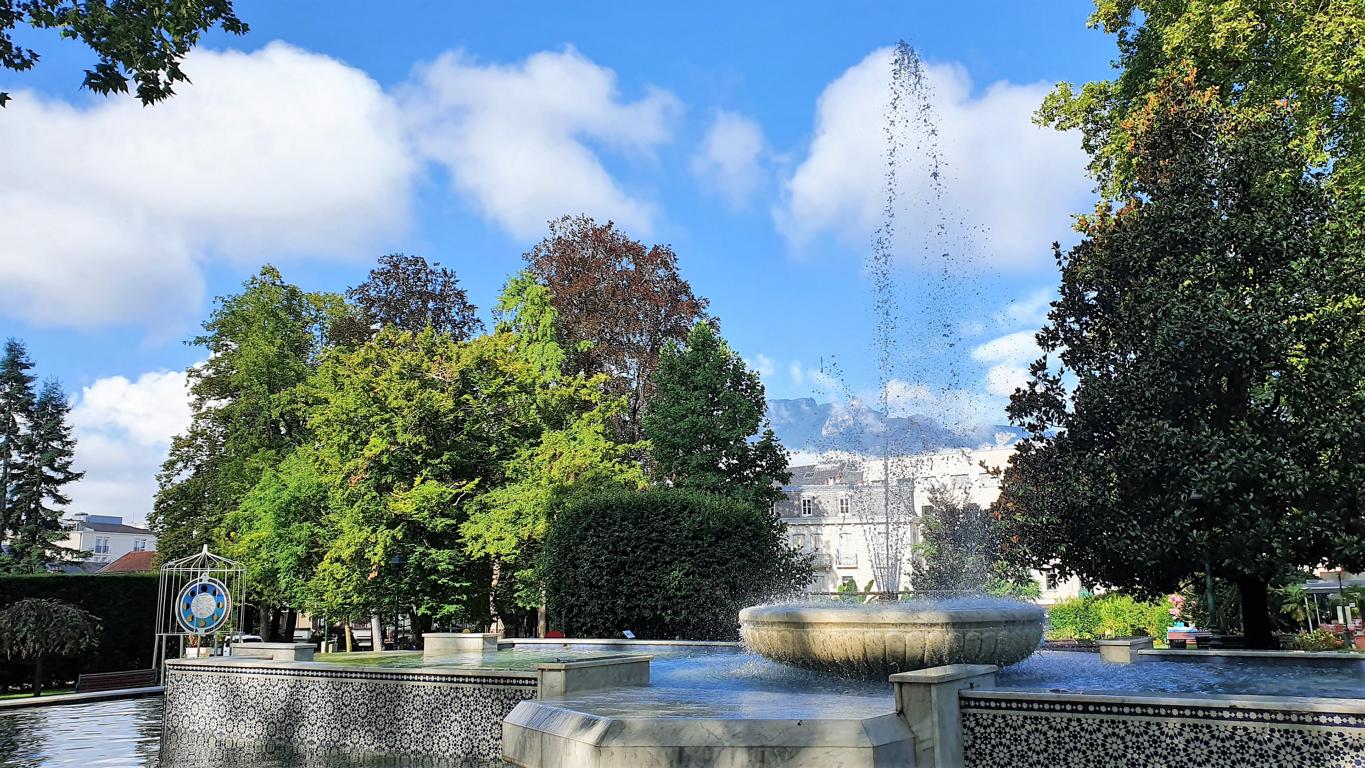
(125, 604)
(665, 564)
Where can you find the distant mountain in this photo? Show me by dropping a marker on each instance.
(804, 425)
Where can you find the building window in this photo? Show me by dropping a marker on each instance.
(139, 545)
(1052, 581)
(816, 542)
(807, 507)
(102, 545)
(799, 542)
(843, 505)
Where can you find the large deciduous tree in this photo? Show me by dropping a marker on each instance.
(46, 459)
(702, 422)
(406, 292)
(1208, 410)
(1307, 54)
(247, 409)
(619, 304)
(409, 427)
(141, 41)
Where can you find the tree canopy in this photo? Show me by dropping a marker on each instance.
(702, 422)
(35, 628)
(1307, 55)
(141, 41)
(618, 305)
(1207, 411)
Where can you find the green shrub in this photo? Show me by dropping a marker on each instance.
(125, 605)
(1317, 640)
(664, 563)
(1090, 617)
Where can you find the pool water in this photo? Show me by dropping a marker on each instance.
(685, 682)
(510, 659)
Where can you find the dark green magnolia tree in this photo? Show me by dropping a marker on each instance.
(16, 409)
(701, 423)
(1207, 411)
(247, 409)
(132, 39)
(958, 544)
(46, 459)
(34, 629)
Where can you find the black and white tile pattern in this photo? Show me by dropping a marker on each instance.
(325, 711)
(1053, 733)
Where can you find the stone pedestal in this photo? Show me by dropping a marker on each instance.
(1124, 650)
(927, 701)
(274, 651)
(447, 643)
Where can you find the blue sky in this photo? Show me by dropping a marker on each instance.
(746, 135)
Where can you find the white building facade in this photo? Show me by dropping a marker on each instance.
(836, 512)
(106, 537)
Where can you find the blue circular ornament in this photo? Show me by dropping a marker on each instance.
(203, 605)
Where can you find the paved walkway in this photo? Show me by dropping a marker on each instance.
(79, 698)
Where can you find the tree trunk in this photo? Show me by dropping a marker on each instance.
(495, 618)
(542, 620)
(38, 676)
(350, 642)
(291, 622)
(376, 634)
(1255, 593)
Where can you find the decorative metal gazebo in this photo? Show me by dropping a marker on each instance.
(200, 604)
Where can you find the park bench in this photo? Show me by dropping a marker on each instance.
(112, 681)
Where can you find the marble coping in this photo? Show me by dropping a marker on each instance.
(945, 674)
(543, 734)
(444, 643)
(1184, 700)
(276, 651)
(566, 641)
(894, 614)
(1339, 658)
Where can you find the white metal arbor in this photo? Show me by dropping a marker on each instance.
(200, 602)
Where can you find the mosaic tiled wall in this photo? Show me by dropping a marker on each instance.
(332, 712)
(1053, 731)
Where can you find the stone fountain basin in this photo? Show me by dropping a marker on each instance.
(876, 640)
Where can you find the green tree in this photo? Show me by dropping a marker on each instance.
(48, 452)
(1306, 54)
(707, 408)
(1208, 411)
(277, 531)
(666, 563)
(34, 629)
(247, 407)
(16, 409)
(134, 40)
(958, 546)
(409, 428)
(576, 450)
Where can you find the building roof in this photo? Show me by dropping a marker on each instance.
(823, 474)
(113, 528)
(133, 562)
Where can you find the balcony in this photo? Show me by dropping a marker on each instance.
(842, 560)
(822, 561)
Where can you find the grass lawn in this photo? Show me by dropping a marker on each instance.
(29, 694)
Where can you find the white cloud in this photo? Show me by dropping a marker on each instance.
(521, 141)
(825, 383)
(1009, 356)
(727, 162)
(110, 210)
(1015, 181)
(1031, 310)
(763, 365)
(123, 429)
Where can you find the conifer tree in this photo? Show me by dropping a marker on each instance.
(704, 423)
(47, 453)
(16, 408)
